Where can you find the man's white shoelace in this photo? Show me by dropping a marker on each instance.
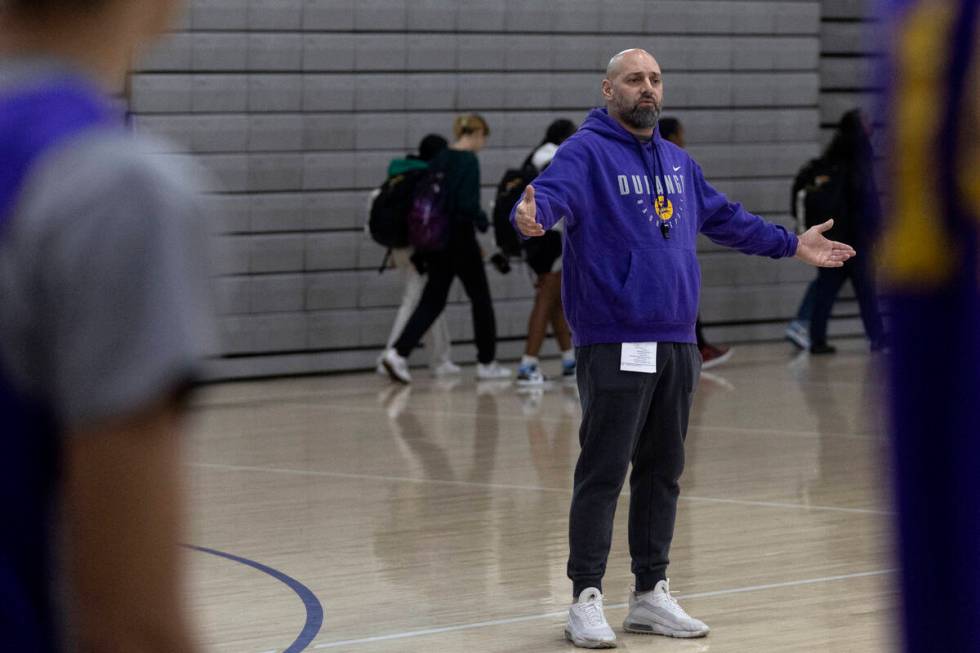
(671, 601)
(592, 611)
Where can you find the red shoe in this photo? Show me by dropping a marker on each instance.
(712, 356)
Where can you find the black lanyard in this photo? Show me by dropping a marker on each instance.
(657, 164)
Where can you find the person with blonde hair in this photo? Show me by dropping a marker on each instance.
(461, 257)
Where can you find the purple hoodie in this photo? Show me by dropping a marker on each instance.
(630, 271)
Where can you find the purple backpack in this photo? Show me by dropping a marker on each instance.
(428, 218)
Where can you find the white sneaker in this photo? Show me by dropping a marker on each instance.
(529, 375)
(396, 366)
(798, 333)
(587, 626)
(445, 368)
(492, 371)
(657, 613)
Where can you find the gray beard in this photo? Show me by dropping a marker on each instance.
(641, 117)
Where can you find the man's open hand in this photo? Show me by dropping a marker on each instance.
(817, 250)
(526, 216)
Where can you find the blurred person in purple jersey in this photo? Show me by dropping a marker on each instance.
(929, 251)
(103, 325)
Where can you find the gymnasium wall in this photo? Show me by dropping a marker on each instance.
(848, 50)
(296, 106)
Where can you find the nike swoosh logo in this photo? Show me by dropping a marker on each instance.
(676, 168)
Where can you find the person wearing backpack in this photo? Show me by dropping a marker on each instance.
(807, 179)
(544, 258)
(840, 185)
(388, 226)
(442, 226)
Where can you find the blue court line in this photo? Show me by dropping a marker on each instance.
(314, 610)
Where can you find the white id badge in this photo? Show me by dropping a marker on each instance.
(639, 357)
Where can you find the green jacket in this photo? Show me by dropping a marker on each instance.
(463, 183)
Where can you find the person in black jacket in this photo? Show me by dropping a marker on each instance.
(849, 158)
(461, 258)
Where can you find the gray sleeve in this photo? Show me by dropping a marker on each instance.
(122, 289)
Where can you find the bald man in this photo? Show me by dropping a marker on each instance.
(633, 205)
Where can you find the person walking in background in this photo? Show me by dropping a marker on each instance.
(848, 180)
(413, 270)
(672, 130)
(633, 205)
(544, 258)
(807, 180)
(103, 326)
(462, 257)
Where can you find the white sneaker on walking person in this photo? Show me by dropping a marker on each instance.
(799, 334)
(396, 366)
(445, 368)
(492, 371)
(587, 626)
(529, 375)
(657, 613)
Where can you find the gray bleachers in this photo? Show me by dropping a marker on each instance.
(296, 107)
(849, 46)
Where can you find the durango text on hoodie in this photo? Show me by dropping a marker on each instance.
(632, 213)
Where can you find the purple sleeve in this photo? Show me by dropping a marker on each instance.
(557, 190)
(729, 224)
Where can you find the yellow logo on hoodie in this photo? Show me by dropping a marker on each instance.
(664, 208)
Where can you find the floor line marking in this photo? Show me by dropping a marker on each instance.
(529, 488)
(562, 613)
(780, 504)
(553, 420)
(314, 609)
(521, 418)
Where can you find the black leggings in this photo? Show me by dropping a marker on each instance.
(461, 259)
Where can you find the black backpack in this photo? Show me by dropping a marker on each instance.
(388, 222)
(509, 192)
(818, 194)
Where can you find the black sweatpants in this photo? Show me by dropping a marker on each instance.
(629, 417)
(461, 259)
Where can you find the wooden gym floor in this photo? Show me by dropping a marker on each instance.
(434, 517)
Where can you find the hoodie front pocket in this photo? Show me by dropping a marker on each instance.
(661, 286)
